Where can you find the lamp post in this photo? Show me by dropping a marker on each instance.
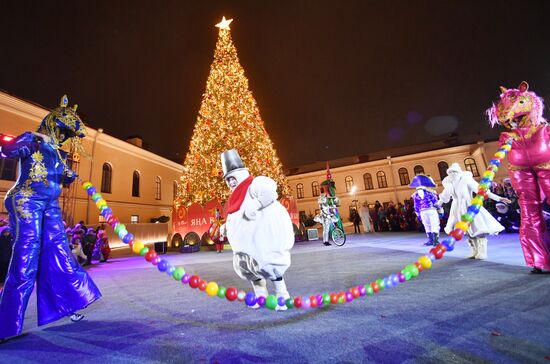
(353, 192)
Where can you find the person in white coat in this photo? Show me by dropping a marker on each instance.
(258, 228)
(460, 186)
(364, 213)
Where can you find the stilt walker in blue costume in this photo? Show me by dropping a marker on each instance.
(41, 251)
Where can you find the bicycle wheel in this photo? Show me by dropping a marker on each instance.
(338, 237)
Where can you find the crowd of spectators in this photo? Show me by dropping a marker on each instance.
(88, 244)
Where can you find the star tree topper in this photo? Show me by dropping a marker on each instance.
(224, 24)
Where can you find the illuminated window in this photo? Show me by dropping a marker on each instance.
(300, 190)
(349, 183)
(418, 170)
(381, 178)
(471, 166)
(106, 177)
(315, 188)
(367, 179)
(158, 188)
(8, 169)
(403, 176)
(442, 167)
(135, 184)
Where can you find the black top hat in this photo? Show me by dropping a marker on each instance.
(231, 161)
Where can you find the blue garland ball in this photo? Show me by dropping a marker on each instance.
(170, 270)
(388, 283)
(395, 279)
(474, 210)
(107, 211)
(163, 265)
(496, 162)
(128, 238)
(250, 299)
(449, 243)
(91, 190)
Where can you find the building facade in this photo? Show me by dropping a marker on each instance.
(387, 180)
(137, 184)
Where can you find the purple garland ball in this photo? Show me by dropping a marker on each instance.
(319, 300)
(431, 256)
(250, 299)
(156, 260)
(128, 238)
(349, 296)
(402, 278)
(306, 303)
(261, 301)
(281, 301)
(185, 279)
(362, 290)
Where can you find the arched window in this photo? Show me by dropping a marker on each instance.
(471, 166)
(367, 179)
(315, 188)
(300, 190)
(106, 177)
(349, 183)
(442, 167)
(135, 184)
(403, 176)
(175, 192)
(158, 188)
(418, 169)
(381, 177)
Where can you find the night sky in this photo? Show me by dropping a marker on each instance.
(331, 78)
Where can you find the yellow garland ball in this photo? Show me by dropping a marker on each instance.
(101, 203)
(506, 147)
(489, 174)
(86, 185)
(499, 155)
(425, 261)
(136, 248)
(462, 225)
(477, 201)
(212, 289)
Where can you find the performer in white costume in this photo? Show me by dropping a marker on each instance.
(258, 228)
(461, 186)
(364, 213)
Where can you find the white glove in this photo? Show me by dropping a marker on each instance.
(439, 203)
(251, 210)
(223, 231)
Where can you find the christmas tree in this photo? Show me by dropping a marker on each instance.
(228, 119)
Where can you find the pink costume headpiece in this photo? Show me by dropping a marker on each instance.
(517, 108)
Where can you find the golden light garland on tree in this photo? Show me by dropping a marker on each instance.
(228, 118)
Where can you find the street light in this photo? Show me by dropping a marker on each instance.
(353, 192)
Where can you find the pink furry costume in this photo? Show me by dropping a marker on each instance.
(520, 111)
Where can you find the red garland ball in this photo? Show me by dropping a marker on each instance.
(333, 298)
(150, 255)
(313, 301)
(194, 281)
(355, 292)
(375, 287)
(297, 302)
(419, 266)
(457, 234)
(202, 285)
(437, 252)
(230, 293)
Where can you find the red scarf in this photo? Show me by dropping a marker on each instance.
(237, 197)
